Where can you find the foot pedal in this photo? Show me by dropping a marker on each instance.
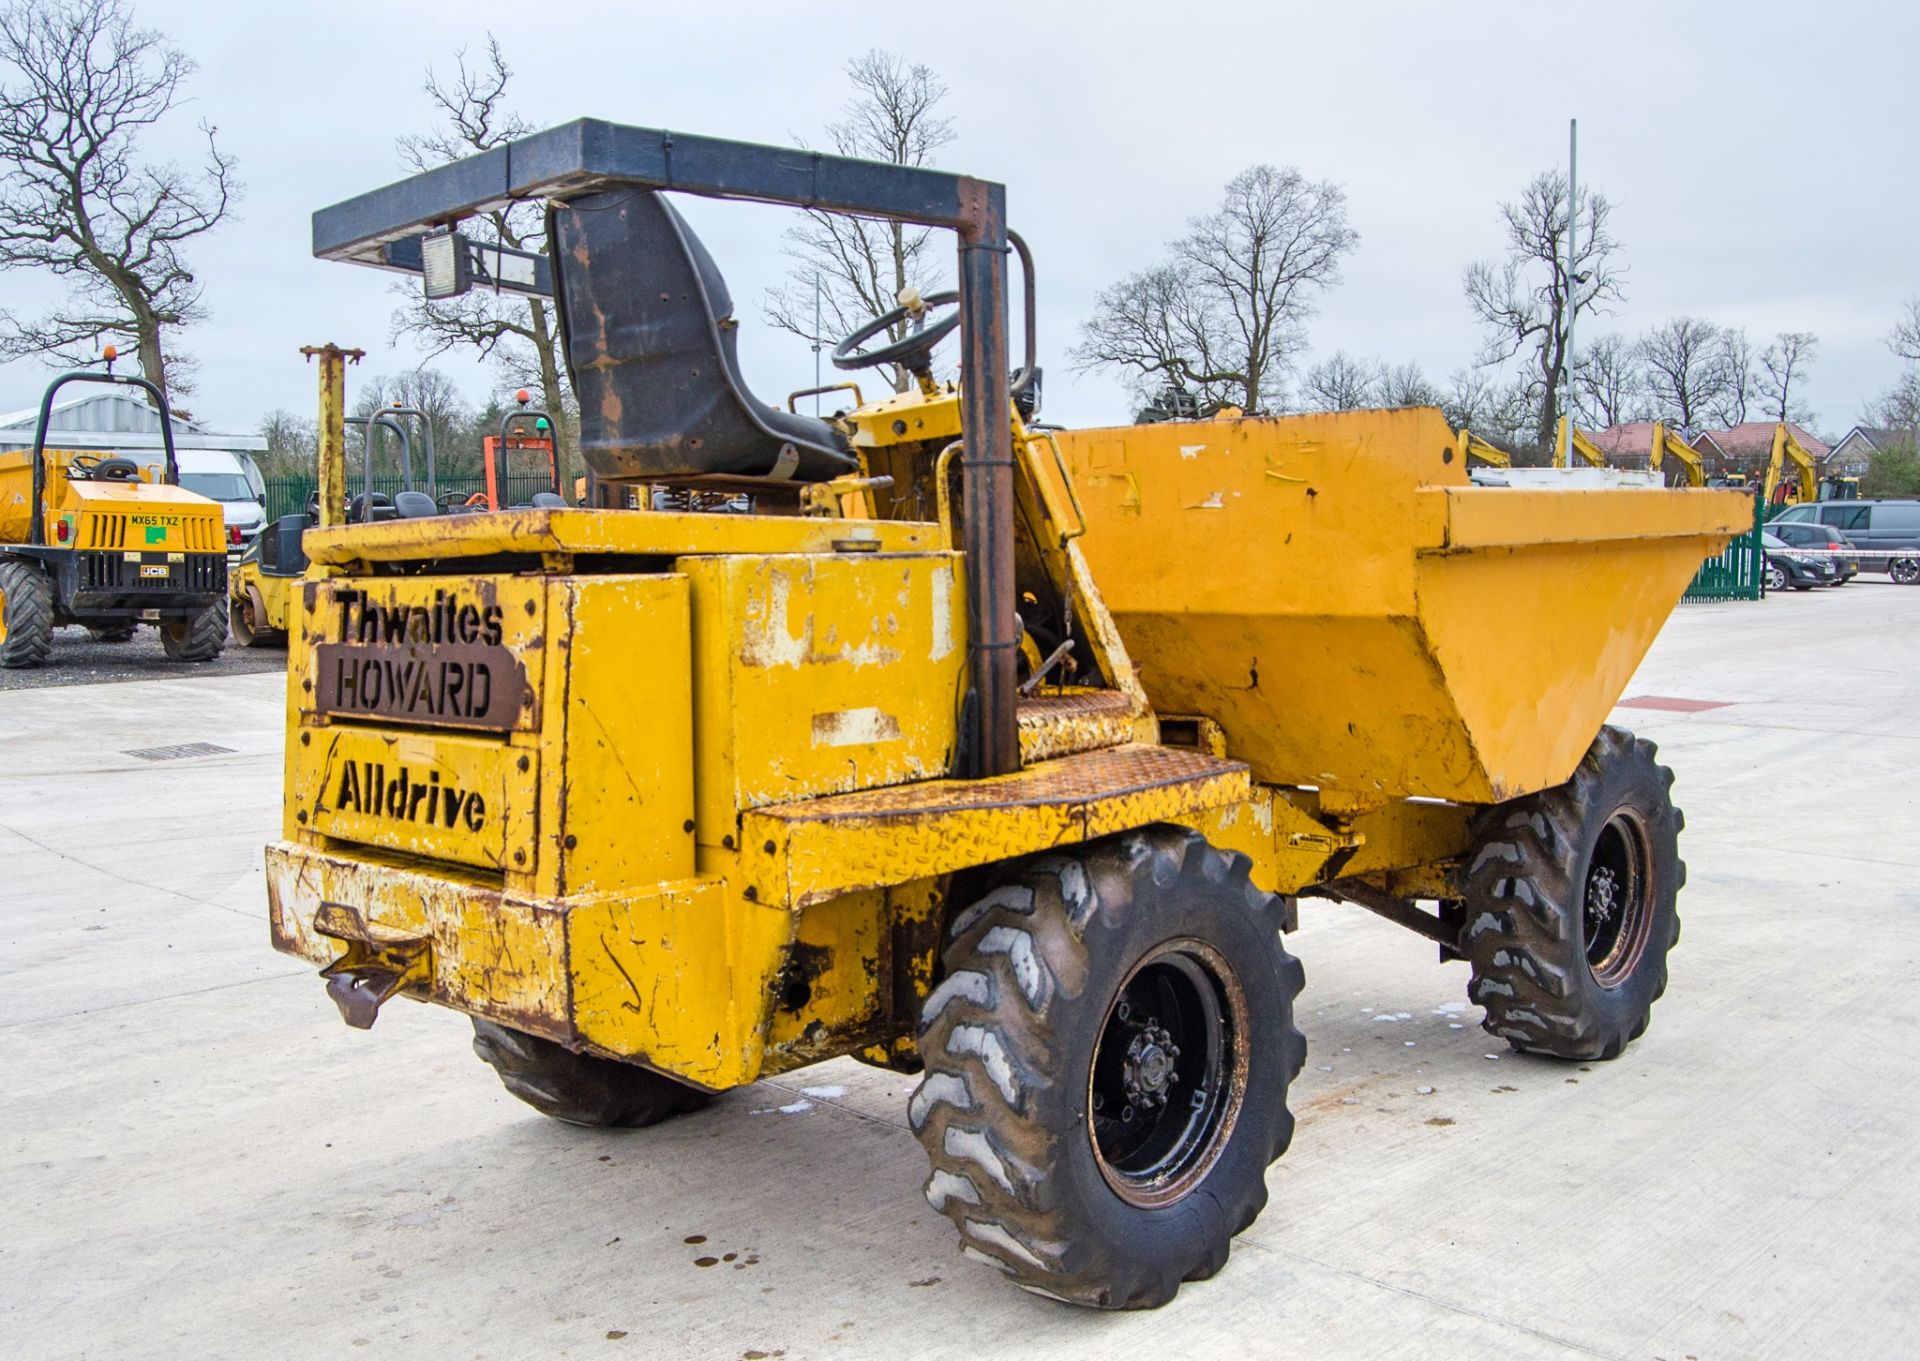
(379, 961)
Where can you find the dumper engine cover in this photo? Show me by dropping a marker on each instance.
(650, 341)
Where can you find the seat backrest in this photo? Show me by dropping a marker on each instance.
(280, 550)
(414, 505)
(650, 340)
(547, 500)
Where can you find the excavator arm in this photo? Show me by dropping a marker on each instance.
(1477, 449)
(1572, 439)
(1805, 484)
(1667, 445)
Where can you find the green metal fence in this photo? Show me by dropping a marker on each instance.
(288, 495)
(1737, 573)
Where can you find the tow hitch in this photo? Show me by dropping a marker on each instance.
(378, 963)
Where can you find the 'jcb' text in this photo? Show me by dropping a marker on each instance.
(407, 796)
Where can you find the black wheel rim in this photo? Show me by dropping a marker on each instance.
(1169, 1073)
(1617, 900)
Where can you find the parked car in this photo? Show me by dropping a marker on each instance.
(1822, 539)
(232, 480)
(1870, 526)
(1790, 566)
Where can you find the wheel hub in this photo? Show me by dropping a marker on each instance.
(1150, 1066)
(1617, 907)
(1602, 888)
(1169, 1072)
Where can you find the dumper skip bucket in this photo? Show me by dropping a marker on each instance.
(1360, 618)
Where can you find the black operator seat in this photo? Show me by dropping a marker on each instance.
(650, 340)
(414, 505)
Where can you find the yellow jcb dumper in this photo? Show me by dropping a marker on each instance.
(967, 748)
(85, 538)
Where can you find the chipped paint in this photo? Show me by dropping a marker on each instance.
(942, 615)
(854, 727)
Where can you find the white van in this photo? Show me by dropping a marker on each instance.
(232, 480)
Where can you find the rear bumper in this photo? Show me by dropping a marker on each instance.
(99, 582)
(676, 977)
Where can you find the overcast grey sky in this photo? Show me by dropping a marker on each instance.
(1759, 155)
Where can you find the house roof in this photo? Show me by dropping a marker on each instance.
(1754, 440)
(1874, 437)
(1627, 438)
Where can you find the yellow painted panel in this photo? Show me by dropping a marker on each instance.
(1537, 644)
(1510, 517)
(678, 976)
(643, 533)
(617, 795)
(429, 794)
(818, 675)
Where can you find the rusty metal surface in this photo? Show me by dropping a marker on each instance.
(1074, 721)
(1115, 773)
(802, 853)
(457, 685)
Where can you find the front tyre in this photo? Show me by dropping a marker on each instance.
(581, 1089)
(1107, 1065)
(26, 613)
(1570, 904)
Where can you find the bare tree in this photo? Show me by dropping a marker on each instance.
(1898, 408)
(1405, 385)
(1227, 313)
(1736, 367)
(78, 201)
(1686, 370)
(1904, 339)
(1610, 382)
(292, 445)
(857, 268)
(447, 411)
(1498, 410)
(1525, 298)
(1340, 383)
(519, 335)
(1784, 364)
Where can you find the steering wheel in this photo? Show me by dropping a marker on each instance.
(914, 350)
(100, 468)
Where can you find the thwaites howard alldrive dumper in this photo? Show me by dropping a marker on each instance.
(86, 538)
(973, 749)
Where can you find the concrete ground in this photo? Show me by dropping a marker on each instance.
(201, 1161)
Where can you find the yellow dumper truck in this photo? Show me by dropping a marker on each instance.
(88, 537)
(967, 747)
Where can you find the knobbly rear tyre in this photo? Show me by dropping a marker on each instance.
(581, 1089)
(1571, 904)
(1066, 990)
(197, 638)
